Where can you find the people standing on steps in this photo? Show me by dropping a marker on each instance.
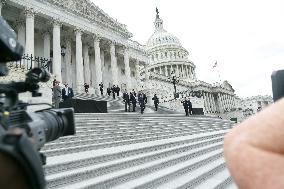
(156, 102)
(108, 91)
(67, 92)
(56, 94)
(187, 106)
(133, 92)
(133, 101)
(126, 100)
(113, 90)
(117, 90)
(101, 85)
(142, 99)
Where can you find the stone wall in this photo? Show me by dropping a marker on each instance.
(45, 89)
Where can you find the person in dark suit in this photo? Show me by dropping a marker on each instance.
(117, 90)
(126, 100)
(101, 85)
(133, 101)
(142, 99)
(113, 89)
(86, 86)
(156, 101)
(67, 92)
(190, 107)
(56, 94)
(133, 92)
(108, 91)
(187, 106)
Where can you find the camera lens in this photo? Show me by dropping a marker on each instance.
(57, 123)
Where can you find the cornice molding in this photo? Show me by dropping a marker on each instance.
(87, 9)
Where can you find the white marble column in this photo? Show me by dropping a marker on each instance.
(46, 45)
(137, 73)
(210, 101)
(98, 63)
(86, 57)
(21, 32)
(68, 65)
(166, 71)
(177, 71)
(103, 66)
(223, 101)
(220, 103)
(160, 67)
(187, 72)
(230, 101)
(113, 64)
(226, 101)
(29, 33)
(127, 70)
(213, 103)
(79, 61)
(2, 3)
(56, 51)
(204, 102)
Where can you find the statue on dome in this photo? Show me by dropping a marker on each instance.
(157, 12)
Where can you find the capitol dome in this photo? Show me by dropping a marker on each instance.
(166, 54)
(162, 37)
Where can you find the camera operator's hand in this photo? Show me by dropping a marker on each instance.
(254, 150)
(11, 174)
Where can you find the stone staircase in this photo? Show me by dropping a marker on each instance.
(117, 105)
(126, 150)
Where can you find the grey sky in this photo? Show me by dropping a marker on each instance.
(245, 37)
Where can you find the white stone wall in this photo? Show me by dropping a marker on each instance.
(45, 89)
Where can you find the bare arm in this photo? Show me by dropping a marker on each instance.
(254, 150)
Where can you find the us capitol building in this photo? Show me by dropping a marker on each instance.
(97, 48)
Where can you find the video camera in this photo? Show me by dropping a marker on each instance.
(277, 78)
(40, 126)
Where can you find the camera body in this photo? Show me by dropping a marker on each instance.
(40, 126)
(277, 78)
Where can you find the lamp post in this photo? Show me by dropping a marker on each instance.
(174, 80)
(63, 50)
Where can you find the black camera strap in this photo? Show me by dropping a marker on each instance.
(18, 147)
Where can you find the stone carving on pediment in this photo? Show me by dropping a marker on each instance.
(88, 10)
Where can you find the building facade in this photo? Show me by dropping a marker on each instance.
(167, 57)
(88, 46)
(98, 48)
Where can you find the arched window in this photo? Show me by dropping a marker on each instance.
(166, 54)
(152, 57)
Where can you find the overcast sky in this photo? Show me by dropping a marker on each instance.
(245, 37)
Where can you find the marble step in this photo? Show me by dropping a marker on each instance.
(170, 178)
(201, 179)
(227, 181)
(110, 179)
(103, 136)
(170, 148)
(92, 146)
(113, 137)
(117, 165)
